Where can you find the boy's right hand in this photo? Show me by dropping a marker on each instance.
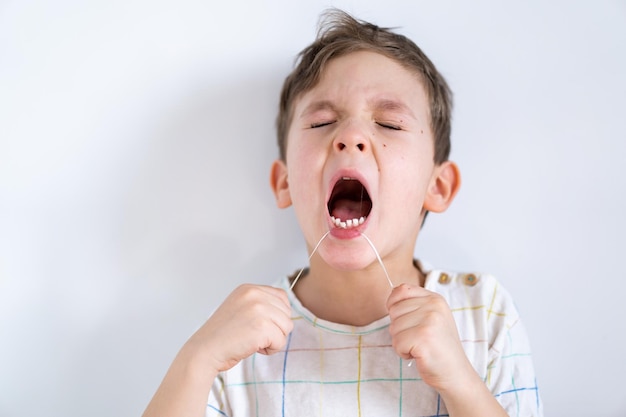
(253, 318)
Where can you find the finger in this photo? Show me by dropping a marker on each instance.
(399, 324)
(276, 339)
(407, 306)
(427, 307)
(282, 321)
(259, 295)
(278, 297)
(265, 312)
(406, 291)
(405, 344)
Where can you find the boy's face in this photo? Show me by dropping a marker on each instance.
(360, 147)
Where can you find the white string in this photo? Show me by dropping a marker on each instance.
(310, 256)
(380, 261)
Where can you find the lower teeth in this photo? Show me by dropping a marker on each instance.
(347, 224)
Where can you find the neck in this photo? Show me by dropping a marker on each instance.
(355, 298)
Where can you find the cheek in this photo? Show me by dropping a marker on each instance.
(409, 176)
(301, 167)
(303, 178)
(306, 154)
(300, 149)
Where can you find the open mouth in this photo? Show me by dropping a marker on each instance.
(349, 203)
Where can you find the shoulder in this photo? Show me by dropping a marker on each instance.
(484, 311)
(475, 288)
(477, 300)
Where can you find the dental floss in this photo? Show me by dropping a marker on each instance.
(380, 261)
(361, 201)
(293, 284)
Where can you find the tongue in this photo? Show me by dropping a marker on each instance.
(347, 209)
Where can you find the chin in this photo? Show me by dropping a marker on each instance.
(348, 259)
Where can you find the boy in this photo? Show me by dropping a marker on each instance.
(364, 138)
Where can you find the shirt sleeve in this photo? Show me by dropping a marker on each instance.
(510, 372)
(217, 405)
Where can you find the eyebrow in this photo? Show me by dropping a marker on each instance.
(377, 104)
(393, 105)
(317, 106)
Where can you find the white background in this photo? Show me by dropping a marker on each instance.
(135, 142)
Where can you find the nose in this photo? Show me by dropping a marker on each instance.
(353, 137)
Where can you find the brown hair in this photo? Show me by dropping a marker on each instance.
(340, 34)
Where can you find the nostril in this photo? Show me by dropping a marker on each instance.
(341, 146)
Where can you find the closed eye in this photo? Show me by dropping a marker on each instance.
(388, 126)
(321, 124)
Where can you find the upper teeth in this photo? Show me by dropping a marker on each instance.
(346, 224)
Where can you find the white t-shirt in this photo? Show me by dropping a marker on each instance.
(329, 369)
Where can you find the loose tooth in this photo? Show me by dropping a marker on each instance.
(342, 224)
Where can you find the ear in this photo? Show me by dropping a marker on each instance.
(279, 184)
(444, 185)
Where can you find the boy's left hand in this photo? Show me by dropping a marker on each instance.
(423, 329)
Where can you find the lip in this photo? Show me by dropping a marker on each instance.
(337, 231)
(346, 234)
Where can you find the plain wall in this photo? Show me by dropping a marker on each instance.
(135, 144)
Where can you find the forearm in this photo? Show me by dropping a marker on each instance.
(471, 398)
(253, 318)
(185, 388)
